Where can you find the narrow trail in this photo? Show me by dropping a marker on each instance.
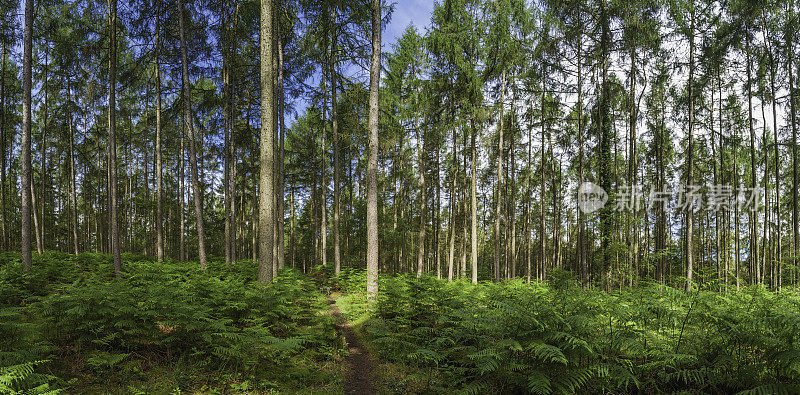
(360, 365)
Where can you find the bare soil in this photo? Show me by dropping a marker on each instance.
(360, 364)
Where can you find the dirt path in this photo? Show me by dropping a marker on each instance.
(360, 365)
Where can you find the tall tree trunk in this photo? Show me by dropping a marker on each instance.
(581, 247)
(754, 269)
(25, 157)
(423, 207)
(159, 172)
(266, 197)
(473, 202)
(228, 97)
(40, 244)
(633, 239)
(281, 177)
(778, 263)
(336, 165)
(541, 273)
(73, 200)
(498, 194)
(182, 198)
(795, 185)
(605, 160)
(112, 135)
(3, 147)
(187, 113)
(372, 164)
(690, 162)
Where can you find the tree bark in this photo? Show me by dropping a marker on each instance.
(159, 172)
(423, 207)
(228, 97)
(281, 177)
(3, 148)
(336, 165)
(112, 136)
(266, 196)
(372, 164)
(187, 113)
(73, 200)
(25, 158)
(498, 194)
(690, 161)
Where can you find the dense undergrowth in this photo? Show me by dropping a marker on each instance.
(69, 326)
(555, 337)
(163, 327)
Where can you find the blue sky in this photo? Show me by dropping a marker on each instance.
(416, 12)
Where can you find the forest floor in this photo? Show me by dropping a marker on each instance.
(361, 365)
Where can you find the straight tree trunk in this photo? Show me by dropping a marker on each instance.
(372, 164)
(266, 197)
(779, 269)
(112, 136)
(473, 203)
(159, 172)
(423, 208)
(187, 113)
(498, 195)
(581, 247)
(228, 95)
(25, 157)
(337, 264)
(754, 269)
(690, 162)
(3, 148)
(41, 243)
(73, 200)
(281, 175)
(182, 199)
(541, 273)
(795, 185)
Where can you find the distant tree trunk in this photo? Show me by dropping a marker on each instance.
(281, 175)
(187, 113)
(182, 198)
(159, 172)
(778, 263)
(690, 162)
(266, 197)
(291, 227)
(795, 228)
(336, 165)
(581, 248)
(228, 97)
(473, 203)
(25, 157)
(73, 200)
(716, 177)
(423, 206)
(372, 164)
(3, 147)
(40, 242)
(112, 135)
(754, 267)
(498, 195)
(633, 238)
(542, 272)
